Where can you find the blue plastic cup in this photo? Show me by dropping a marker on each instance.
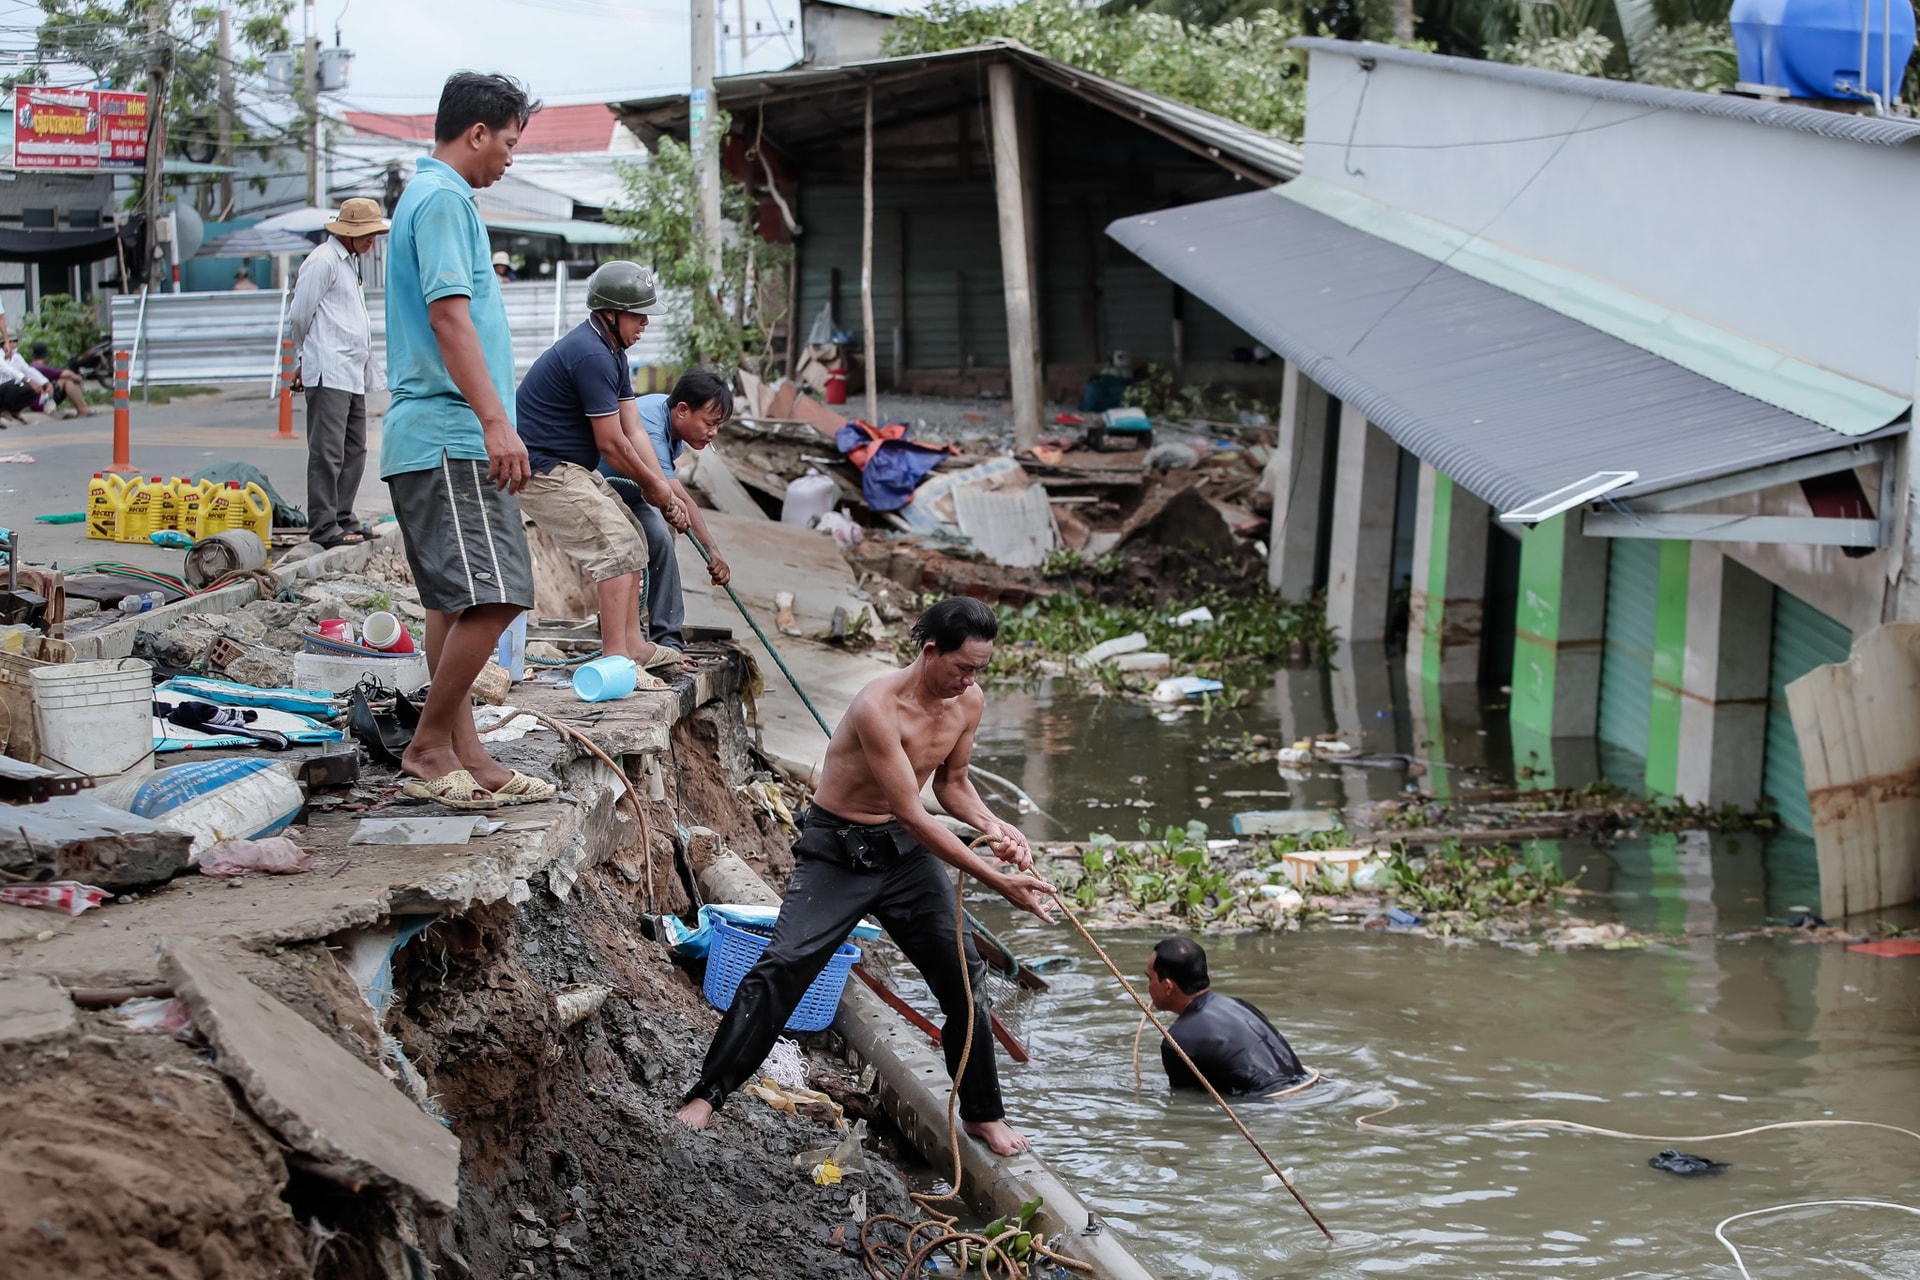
(605, 679)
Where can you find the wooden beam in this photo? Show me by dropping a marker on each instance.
(1011, 196)
(869, 340)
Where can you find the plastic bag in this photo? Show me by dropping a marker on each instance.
(277, 856)
(69, 896)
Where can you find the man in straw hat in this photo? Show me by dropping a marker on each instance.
(333, 344)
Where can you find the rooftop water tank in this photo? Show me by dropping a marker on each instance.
(1813, 48)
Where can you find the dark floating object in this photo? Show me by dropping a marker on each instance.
(1686, 1166)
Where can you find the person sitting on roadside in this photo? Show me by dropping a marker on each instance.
(243, 281)
(688, 417)
(577, 417)
(25, 387)
(1233, 1044)
(65, 384)
(503, 267)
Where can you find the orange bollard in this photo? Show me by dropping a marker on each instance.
(122, 414)
(286, 390)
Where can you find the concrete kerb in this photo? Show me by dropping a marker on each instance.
(116, 639)
(913, 1085)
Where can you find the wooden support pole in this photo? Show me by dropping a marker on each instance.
(869, 345)
(1011, 195)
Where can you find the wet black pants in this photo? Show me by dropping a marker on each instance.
(913, 900)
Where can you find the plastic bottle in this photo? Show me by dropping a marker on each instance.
(218, 514)
(254, 512)
(106, 497)
(193, 501)
(141, 603)
(137, 520)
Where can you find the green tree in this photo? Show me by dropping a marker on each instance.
(735, 311)
(1240, 68)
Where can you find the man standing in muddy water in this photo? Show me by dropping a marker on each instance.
(867, 844)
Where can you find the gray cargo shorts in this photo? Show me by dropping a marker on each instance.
(466, 542)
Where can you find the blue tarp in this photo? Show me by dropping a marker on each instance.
(893, 471)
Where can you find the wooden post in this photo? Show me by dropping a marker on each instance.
(1011, 195)
(869, 346)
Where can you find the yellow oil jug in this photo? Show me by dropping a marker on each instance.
(106, 499)
(140, 516)
(253, 511)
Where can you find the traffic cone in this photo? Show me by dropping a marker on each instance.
(122, 414)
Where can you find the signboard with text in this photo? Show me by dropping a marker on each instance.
(79, 129)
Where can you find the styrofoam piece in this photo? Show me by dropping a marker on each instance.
(1145, 664)
(405, 672)
(1107, 650)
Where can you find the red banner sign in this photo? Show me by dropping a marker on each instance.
(79, 129)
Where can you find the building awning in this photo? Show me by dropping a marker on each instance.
(571, 232)
(59, 248)
(1507, 396)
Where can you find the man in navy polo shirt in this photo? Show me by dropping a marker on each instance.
(576, 414)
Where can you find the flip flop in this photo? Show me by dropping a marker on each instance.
(455, 790)
(524, 788)
(665, 658)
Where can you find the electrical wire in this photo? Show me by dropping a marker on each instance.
(1719, 1232)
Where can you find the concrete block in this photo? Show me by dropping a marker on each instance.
(33, 1009)
(316, 1095)
(80, 838)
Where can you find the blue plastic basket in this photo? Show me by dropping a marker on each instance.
(736, 949)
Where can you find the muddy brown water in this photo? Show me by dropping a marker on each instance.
(1712, 1031)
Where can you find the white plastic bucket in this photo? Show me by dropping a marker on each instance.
(95, 718)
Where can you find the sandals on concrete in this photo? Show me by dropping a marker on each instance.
(665, 659)
(455, 790)
(524, 788)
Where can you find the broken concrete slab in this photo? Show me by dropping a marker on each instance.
(33, 1009)
(320, 1098)
(712, 475)
(81, 838)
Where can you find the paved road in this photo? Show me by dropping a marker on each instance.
(236, 424)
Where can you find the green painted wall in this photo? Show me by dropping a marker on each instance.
(1536, 629)
(1669, 667)
(1803, 638)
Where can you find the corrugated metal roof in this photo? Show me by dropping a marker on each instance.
(1234, 145)
(1509, 398)
(1884, 131)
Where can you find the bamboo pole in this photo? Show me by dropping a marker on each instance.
(867, 344)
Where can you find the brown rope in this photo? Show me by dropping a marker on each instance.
(939, 1226)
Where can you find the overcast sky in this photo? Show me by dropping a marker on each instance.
(566, 50)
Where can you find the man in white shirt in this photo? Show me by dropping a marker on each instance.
(333, 343)
(21, 385)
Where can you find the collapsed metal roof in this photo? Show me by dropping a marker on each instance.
(1508, 397)
(819, 104)
(1885, 131)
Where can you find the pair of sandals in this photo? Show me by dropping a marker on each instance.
(460, 790)
(665, 659)
(345, 538)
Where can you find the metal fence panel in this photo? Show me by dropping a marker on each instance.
(202, 338)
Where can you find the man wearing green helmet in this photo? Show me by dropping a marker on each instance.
(576, 408)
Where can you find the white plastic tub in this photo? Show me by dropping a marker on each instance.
(95, 718)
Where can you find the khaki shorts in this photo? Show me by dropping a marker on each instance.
(580, 509)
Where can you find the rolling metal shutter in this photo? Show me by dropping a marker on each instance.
(1803, 638)
(1626, 665)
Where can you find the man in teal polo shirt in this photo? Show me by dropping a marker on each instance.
(448, 449)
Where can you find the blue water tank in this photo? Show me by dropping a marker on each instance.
(1811, 48)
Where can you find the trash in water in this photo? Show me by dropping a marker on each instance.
(1284, 822)
(274, 856)
(1142, 663)
(1402, 917)
(1107, 650)
(1193, 616)
(1180, 688)
(1686, 1166)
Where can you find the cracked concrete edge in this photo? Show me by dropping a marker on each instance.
(913, 1088)
(315, 1094)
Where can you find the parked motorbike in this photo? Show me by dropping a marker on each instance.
(95, 364)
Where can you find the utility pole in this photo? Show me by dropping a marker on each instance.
(159, 18)
(226, 112)
(704, 141)
(742, 68)
(311, 77)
